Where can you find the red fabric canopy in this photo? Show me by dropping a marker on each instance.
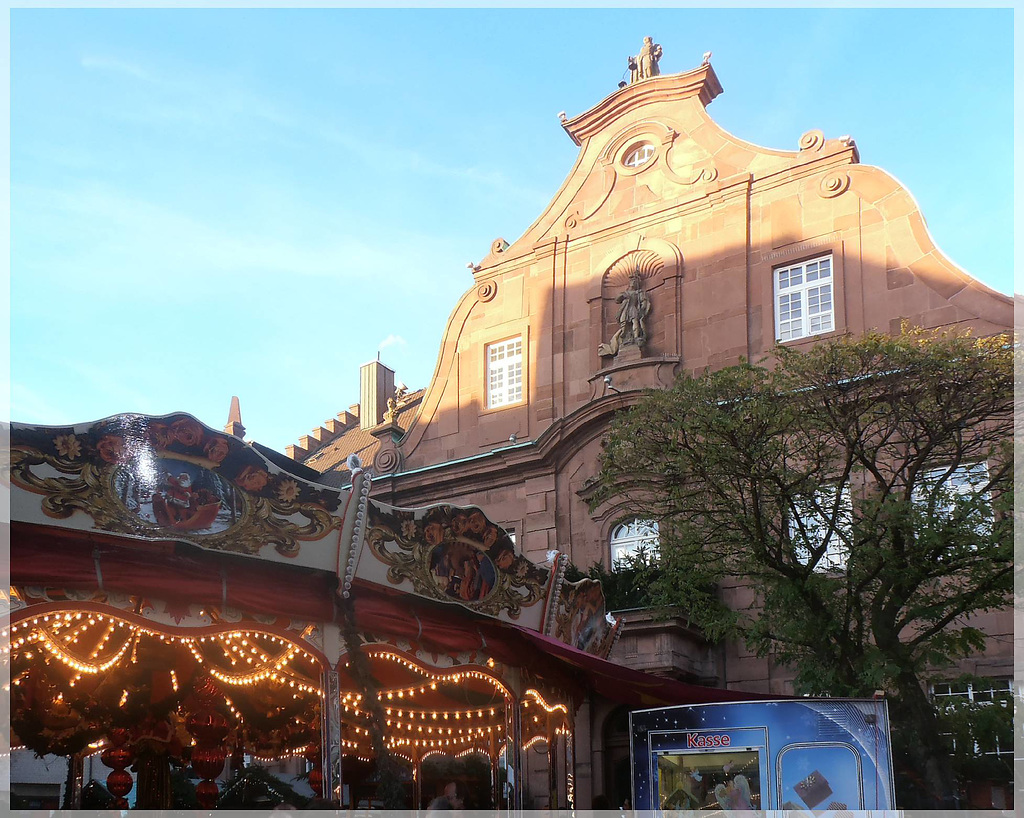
(63, 558)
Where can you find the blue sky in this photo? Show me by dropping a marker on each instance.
(207, 203)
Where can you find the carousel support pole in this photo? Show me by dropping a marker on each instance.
(493, 756)
(330, 714)
(514, 756)
(552, 762)
(570, 762)
(73, 785)
(417, 778)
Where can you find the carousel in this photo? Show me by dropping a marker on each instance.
(182, 601)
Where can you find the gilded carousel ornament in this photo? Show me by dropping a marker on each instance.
(173, 477)
(456, 555)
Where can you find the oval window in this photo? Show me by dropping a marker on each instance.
(639, 155)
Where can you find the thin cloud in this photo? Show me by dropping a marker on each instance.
(118, 66)
(392, 340)
(131, 240)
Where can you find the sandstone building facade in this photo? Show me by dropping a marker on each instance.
(671, 247)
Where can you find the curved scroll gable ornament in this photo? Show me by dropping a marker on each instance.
(486, 291)
(170, 477)
(455, 554)
(634, 302)
(833, 184)
(813, 140)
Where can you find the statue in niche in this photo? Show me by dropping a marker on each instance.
(645, 64)
(633, 312)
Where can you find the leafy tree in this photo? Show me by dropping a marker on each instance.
(627, 585)
(981, 729)
(830, 484)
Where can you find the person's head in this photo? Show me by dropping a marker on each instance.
(451, 792)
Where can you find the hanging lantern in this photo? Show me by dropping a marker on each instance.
(119, 783)
(208, 726)
(316, 781)
(208, 762)
(206, 793)
(117, 758)
(119, 736)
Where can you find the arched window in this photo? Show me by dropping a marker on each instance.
(631, 537)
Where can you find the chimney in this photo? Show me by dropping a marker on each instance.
(234, 425)
(376, 385)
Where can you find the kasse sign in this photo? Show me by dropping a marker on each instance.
(701, 740)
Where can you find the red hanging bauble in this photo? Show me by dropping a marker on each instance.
(117, 757)
(208, 762)
(316, 781)
(119, 783)
(312, 753)
(206, 690)
(119, 736)
(208, 726)
(207, 792)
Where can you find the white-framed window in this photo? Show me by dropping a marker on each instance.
(828, 522)
(976, 690)
(940, 490)
(634, 538)
(639, 155)
(984, 691)
(505, 372)
(964, 480)
(804, 303)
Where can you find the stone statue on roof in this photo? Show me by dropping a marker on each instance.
(645, 64)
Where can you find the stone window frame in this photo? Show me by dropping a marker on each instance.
(488, 392)
(803, 288)
(628, 544)
(642, 144)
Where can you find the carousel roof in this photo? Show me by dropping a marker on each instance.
(166, 508)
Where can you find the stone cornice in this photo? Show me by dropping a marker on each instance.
(701, 83)
(509, 465)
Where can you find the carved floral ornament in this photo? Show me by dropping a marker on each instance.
(170, 477)
(455, 555)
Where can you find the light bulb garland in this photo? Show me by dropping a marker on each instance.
(537, 697)
(56, 633)
(435, 677)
